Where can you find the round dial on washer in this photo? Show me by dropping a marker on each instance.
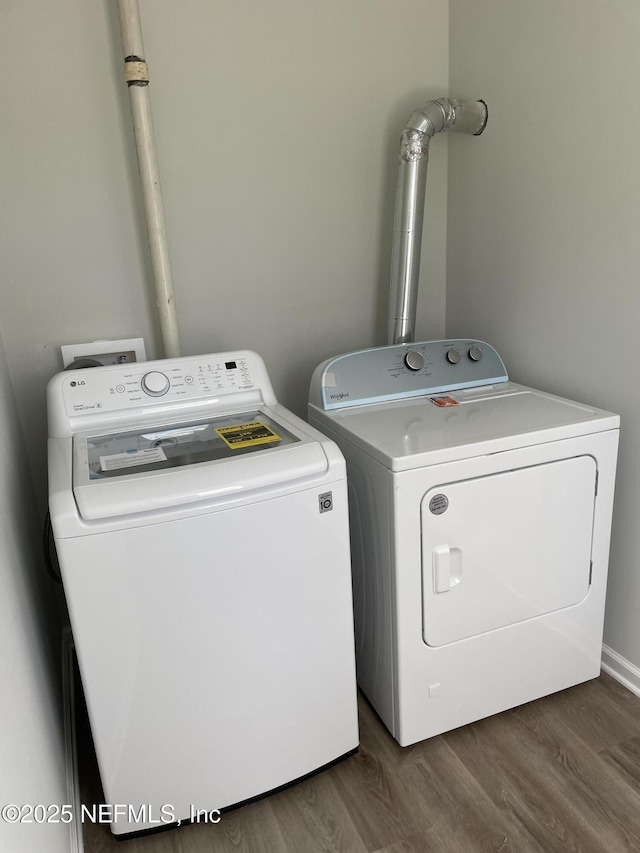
(475, 353)
(414, 360)
(453, 356)
(155, 384)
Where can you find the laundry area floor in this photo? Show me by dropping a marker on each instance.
(561, 773)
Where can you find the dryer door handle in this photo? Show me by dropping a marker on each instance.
(447, 568)
(442, 569)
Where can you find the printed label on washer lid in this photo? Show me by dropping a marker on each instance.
(132, 458)
(247, 435)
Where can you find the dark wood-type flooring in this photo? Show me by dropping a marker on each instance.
(562, 773)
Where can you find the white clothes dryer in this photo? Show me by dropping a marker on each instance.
(202, 534)
(480, 524)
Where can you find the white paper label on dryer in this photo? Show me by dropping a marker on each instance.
(132, 458)
(444, 401)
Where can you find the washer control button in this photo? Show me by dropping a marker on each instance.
(475, 353)
(155, 384)
(453, 356)
(414, 360)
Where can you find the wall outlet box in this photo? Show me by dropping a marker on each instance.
(104, 352)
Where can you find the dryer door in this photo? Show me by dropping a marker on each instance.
(506, 547)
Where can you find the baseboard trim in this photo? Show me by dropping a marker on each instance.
(627, 673)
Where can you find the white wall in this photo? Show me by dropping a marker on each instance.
(277, 127)
(31, 748)
(544, 217)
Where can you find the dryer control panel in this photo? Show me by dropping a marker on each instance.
(405, 370)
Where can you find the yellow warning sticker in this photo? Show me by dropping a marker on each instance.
(247, 435)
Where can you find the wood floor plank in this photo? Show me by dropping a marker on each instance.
(592, 713)
(517, 774)
(424, 842)
(313, 818)
(571, 742)
(462, 814)
(578, 804)
(251, 829)
(100, 840)
(624, 758)
(616, 692)
(374, 799)
(440, 826)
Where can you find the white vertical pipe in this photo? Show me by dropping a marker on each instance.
(137, 77)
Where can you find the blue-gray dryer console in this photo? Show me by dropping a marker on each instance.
(405, 370)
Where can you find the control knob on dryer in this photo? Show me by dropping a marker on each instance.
(414, 360)
(453, 356)
(475, 353)
(155, 384)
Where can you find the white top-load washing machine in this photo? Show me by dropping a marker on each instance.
(202, 534)
(480, 523)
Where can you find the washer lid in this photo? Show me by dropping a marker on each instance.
(159, 466)
(441, 428)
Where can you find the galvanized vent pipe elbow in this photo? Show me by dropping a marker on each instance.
(443, 115)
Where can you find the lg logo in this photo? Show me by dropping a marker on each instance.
(73, 382)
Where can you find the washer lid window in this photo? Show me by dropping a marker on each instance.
(174, 445)
(166, 465)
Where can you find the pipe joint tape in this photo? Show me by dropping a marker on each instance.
(136, 71)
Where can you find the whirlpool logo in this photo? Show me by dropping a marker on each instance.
(340, 396)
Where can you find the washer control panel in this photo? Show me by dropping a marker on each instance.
(170, 381)
(155, 384)
(406, 370)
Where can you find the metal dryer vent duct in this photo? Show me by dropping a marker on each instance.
(434, 117)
